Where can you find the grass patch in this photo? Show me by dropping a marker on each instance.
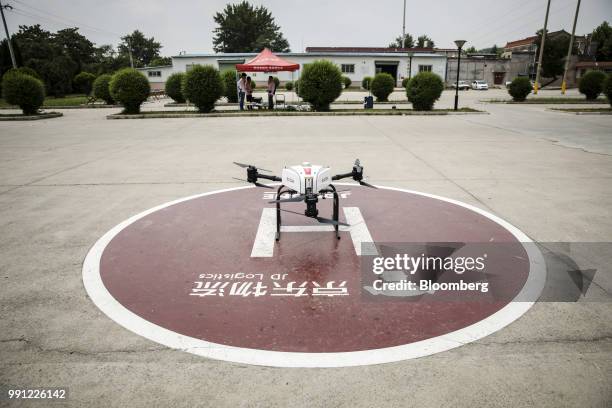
(20, 116)
(51, 102)
(255, 113)
(584, 110)
(550, 101)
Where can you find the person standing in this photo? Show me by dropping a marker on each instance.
(249, 93)
(271, 92)
(242, 89)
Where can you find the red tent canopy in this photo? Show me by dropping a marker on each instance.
(266, 61)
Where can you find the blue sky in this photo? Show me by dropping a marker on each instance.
(187, 24)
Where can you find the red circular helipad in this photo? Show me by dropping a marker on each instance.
(204, 274)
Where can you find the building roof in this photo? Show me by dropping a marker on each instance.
(519, 43)
(533, 39)
(384, 53)
(365, 50)
(156, 67)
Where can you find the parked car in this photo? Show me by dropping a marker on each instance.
(480, 85)
(463, 85)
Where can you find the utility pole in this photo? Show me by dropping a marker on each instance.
(569, 51)
(404, 27)
(130, 50)
(8, 37)
(539, 69)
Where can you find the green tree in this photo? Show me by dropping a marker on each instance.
(553, 59)
(471, 50)
(144, 50)
(406, 42)
(602, 35)
(242, 27)
(71, 43)
(107, 60)
(425, 42)
(160, 61)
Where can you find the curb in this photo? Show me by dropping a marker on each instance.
(67, 107)
(17, 117)
(608, 112)
(167, 115)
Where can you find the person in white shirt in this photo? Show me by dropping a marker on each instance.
(242, 89)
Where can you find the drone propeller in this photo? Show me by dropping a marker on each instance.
(363, 183)
(295, 199)
(320, 219)
(246, 166)
(256, 183)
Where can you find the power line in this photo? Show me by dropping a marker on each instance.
(66, 20)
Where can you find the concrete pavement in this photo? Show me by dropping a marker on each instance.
(64, 182)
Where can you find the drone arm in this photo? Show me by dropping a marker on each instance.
(341, 176)
(269, 177)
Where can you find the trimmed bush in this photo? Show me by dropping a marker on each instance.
(24, 91)
(423, 90)
(288, 85)
(83, 82)
(405, 82)
(276, 82)
(203, 86)
(347, 81)
(381, 86)
(607, 88)
(130, 88)
(173, 87)
(591, 84)
(101, 90)
(230, 85)
(26, 71)
(519, 88)
(320, 84)
(365, 82)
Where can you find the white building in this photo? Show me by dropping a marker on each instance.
(356, 63)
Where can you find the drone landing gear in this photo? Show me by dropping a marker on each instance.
(336, 211)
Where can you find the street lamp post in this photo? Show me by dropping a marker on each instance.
(459, 44)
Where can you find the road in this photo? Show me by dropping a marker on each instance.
(64, 182)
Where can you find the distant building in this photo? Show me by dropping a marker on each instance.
(530, 44)
(356, 63)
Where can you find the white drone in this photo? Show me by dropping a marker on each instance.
(305, 183)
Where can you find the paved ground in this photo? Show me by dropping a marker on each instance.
(64, 182)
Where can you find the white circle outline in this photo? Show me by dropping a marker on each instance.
(116, 311)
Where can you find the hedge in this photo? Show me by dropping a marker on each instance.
(24, 91)
(320, 84)
(83, 82)
(130, 88)
(607, 88)
(203, 86)
(423, 90)
(173, 87)
(591, 84)
(519, 88)
(101, 90)
(381, 86)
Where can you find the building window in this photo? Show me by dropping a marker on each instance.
(154, 74)
(424, 68)
(348, 68)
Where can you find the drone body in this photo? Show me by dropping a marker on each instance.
(305, 183)
(306, 177)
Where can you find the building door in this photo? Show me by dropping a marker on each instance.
(390, 67)
(498, 78)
